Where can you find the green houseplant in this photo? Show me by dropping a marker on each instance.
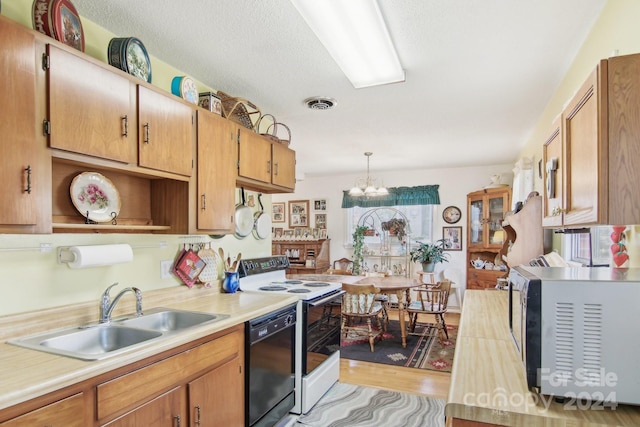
(428, 254)
(358, 244)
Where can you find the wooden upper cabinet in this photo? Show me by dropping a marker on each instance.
(254, 156)
(553, 182)
(284, 171)
(25, 167)
(165, 132)
(91, 110)
(217, 151)
(585, 141)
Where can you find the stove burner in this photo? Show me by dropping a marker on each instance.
(272, 288)
(298, 291)
(293, 282)
(316, 284)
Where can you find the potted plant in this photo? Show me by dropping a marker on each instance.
(358, 244)
(428, 254)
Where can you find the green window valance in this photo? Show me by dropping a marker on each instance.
(398, 196)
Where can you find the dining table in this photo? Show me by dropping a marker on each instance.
(399, 286)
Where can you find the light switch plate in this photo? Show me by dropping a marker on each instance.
(165, 268)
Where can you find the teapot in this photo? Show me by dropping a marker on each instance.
(477, 263)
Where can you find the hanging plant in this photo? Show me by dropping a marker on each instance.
(358, 245)
(395, 226)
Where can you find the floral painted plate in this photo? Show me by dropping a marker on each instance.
(95, 197)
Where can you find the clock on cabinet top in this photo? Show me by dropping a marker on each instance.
(451, 214)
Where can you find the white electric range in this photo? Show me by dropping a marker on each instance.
(317, 339)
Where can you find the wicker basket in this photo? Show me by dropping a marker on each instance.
(272, 130)
(239, 110)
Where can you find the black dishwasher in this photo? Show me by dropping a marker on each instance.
(270, 365)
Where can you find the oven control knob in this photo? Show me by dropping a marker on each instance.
(288, 320)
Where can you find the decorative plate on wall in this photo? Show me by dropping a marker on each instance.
(130, 55)
(95, 197)
(59, 19)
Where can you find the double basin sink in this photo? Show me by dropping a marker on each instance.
(99, 341)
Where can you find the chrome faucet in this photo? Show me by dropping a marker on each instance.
(106, 306)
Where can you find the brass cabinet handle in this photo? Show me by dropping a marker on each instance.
(197, 422)
(146, 133)
(203, 202)
(268, 166)
(177, 418)
(125, 125)
(275, 166)
(28, 171)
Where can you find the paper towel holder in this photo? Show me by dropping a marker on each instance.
(65, 255)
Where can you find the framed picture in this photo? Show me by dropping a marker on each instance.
(277, 232)
(277, 212)
(320, 205)
(288, 233)
(298, 232)
(299, 213)
(321, 220)
(452, 237)
(316, 233)
(323, 233)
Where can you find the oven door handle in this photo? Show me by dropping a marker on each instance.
(327, 299)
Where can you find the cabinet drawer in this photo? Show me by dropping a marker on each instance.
(133, 389)
(68, 412)
(482, 279)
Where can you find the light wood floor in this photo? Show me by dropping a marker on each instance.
(398, 378)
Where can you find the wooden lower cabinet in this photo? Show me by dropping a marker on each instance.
(483, 279)
(212, 374)
(69, 412)
(166, 410)
(211, 404)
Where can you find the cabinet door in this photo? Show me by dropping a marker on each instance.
(165, 127)
(166, 410)
(217, 398)
(68, 412)
(254, 156)
(90, 108)
(216, 173)
(17, 124)
(582, 142)
(284, 166)
(496, 205)
(476, 215)
(553, 182)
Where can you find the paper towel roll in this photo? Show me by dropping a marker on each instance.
(95, 256)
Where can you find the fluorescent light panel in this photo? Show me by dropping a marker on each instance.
(354, 33)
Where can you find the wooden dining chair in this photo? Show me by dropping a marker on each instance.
(359, 302)
(343, 264)
(430, 300)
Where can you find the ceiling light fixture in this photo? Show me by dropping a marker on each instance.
(368, 187)
(355, 34)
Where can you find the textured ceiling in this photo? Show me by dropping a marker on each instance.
(478, 73)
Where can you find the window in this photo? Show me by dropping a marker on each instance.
(420, 218)
(590, 247)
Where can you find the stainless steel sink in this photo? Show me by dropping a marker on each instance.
(92, 343)
(104, 340)
(169, 320)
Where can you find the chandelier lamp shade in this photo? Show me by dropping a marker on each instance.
(368, 187)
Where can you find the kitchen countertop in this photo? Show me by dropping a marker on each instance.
(488, 383)
(27, 374)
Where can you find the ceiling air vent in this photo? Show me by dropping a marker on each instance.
(320, 103)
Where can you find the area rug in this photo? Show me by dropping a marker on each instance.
(422, 352)
(347, 405)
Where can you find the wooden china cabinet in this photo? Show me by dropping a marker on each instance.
(305, 256)
(486, 210)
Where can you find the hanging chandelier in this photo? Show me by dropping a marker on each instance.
(368, 187)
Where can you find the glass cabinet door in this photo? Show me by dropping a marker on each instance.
(494, 220)
(476, 222)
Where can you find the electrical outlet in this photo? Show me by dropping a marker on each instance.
(165, 269)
